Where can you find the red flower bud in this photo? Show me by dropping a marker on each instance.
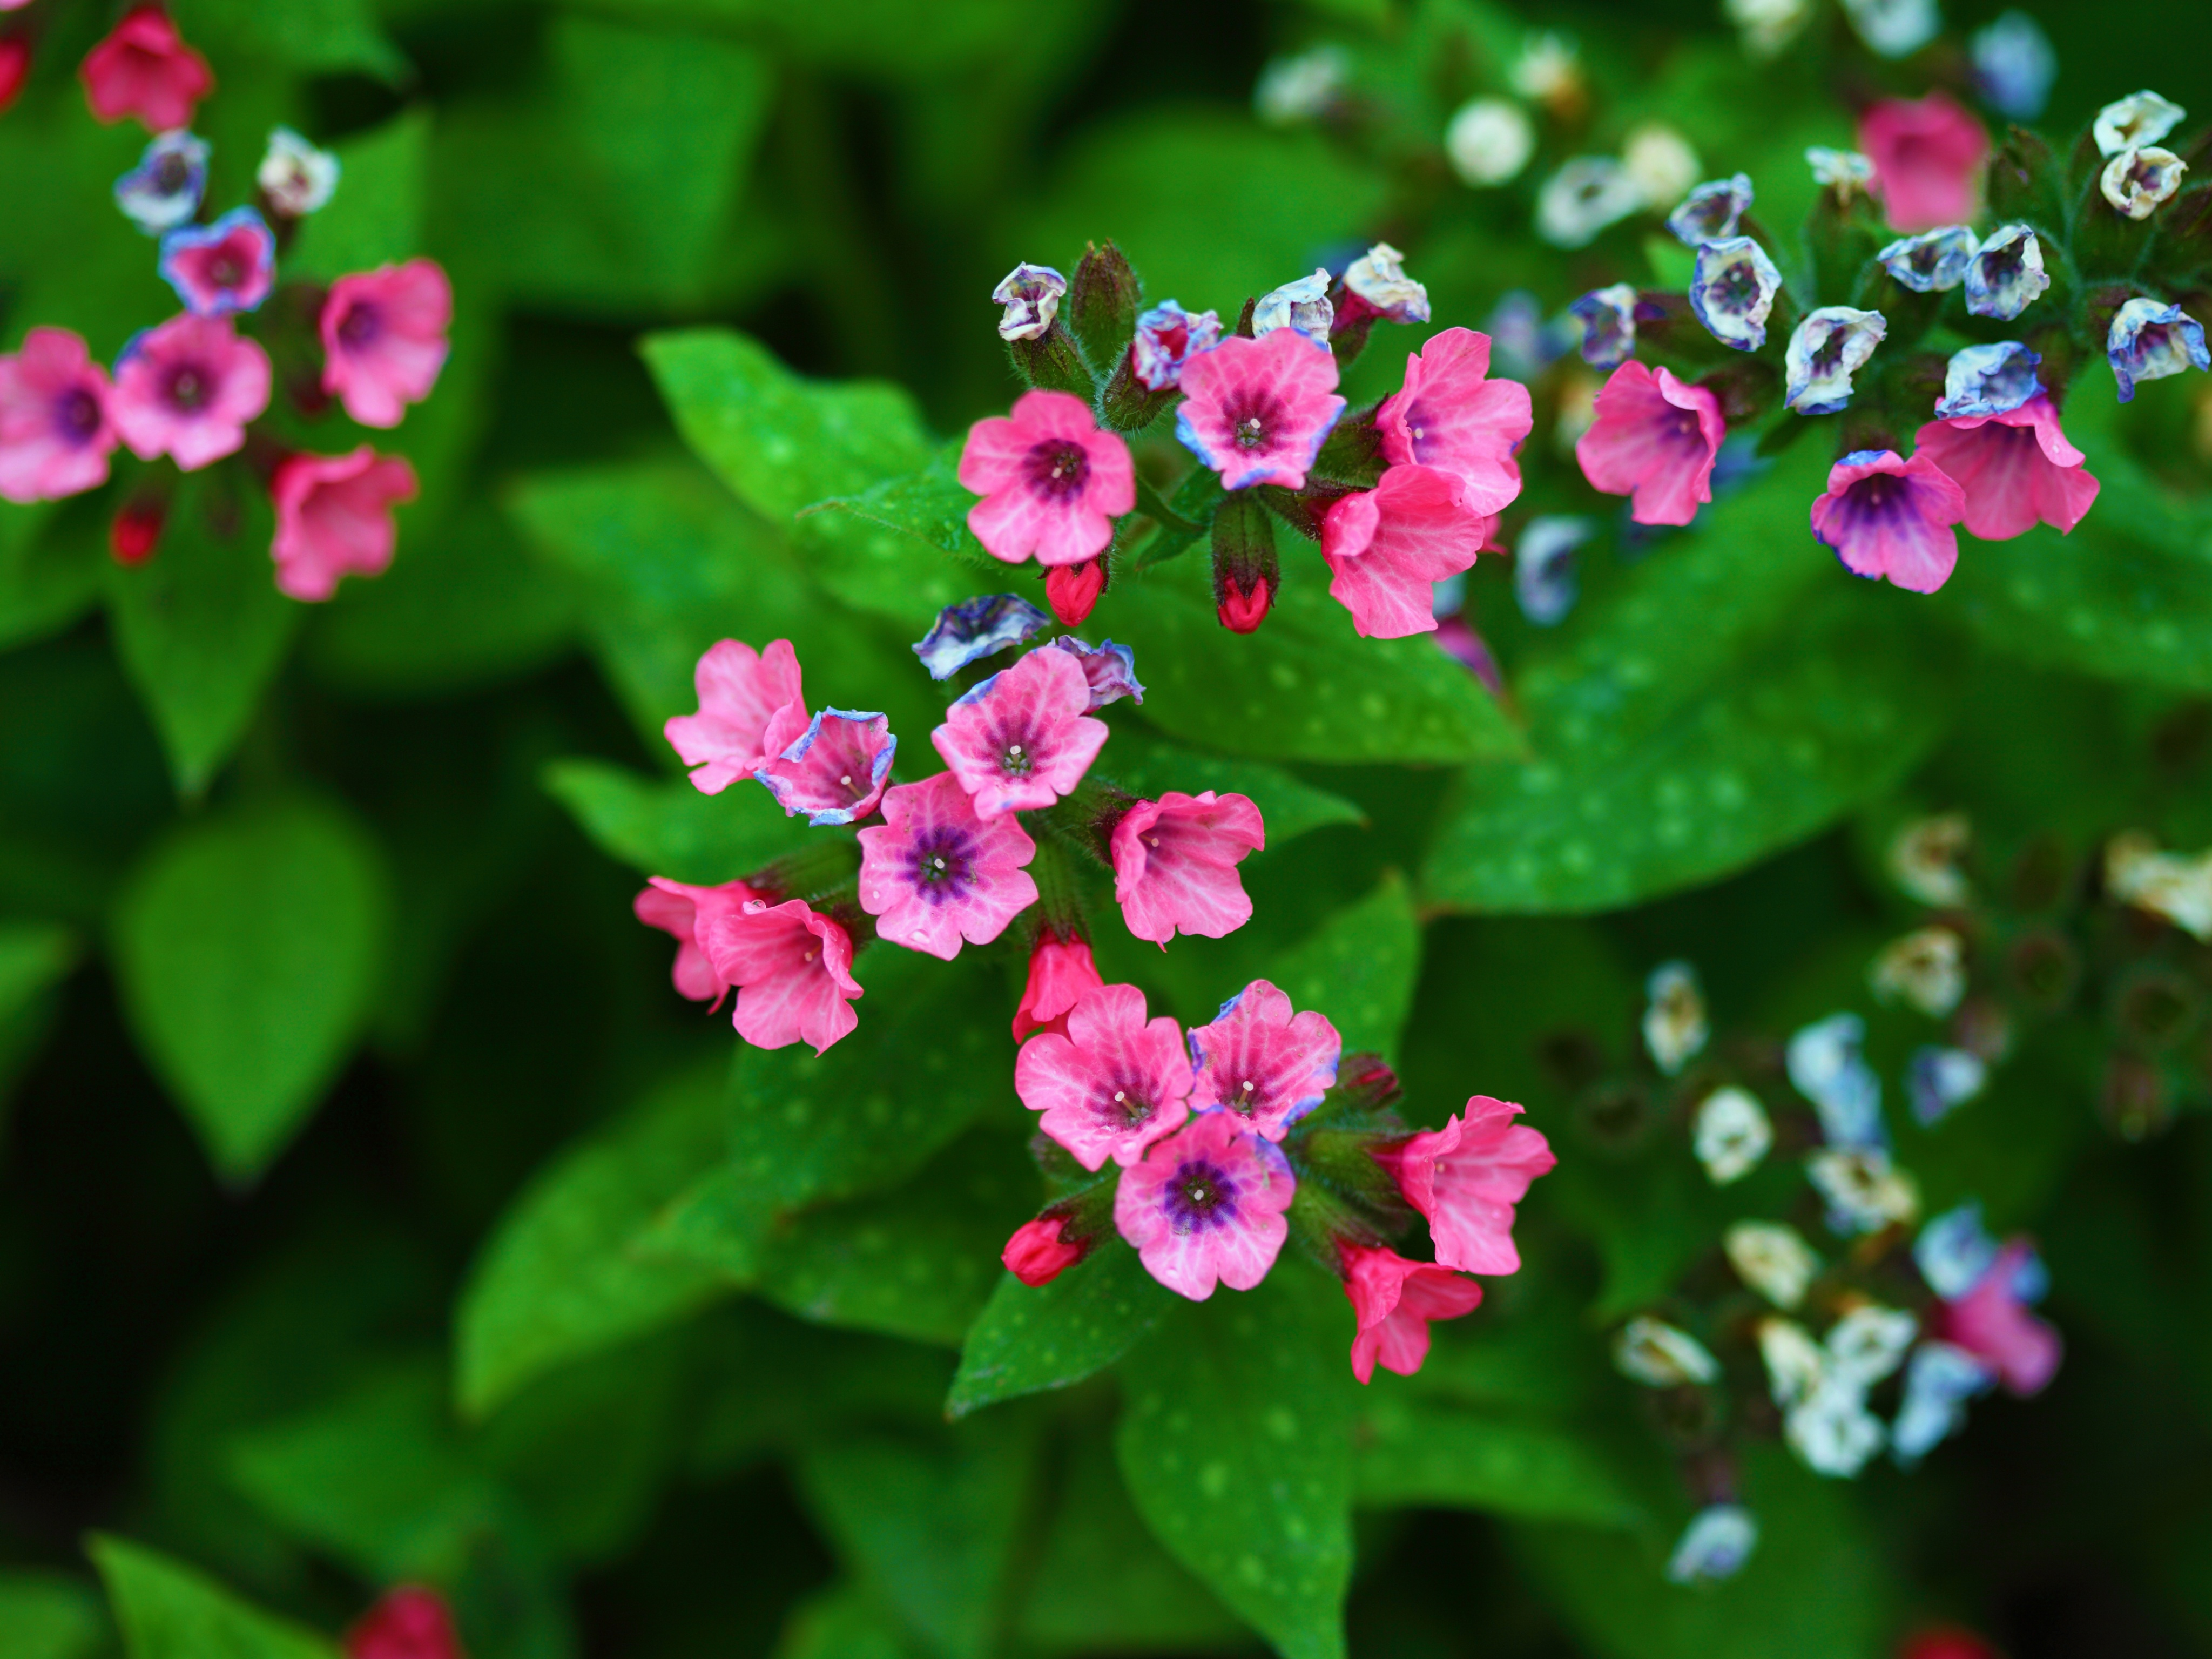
(409, 1622)
(1036, 1254)
(14, 67)
(1240, 612)
(1945, 1642)
(1074, 589)
(136, 529)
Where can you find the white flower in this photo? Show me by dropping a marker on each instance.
(1864, 1193)
(1650, 1352)
(1031, 295)
(2165, 884)
(1842, 170)
(2137, 180)
(1796, 1365)
(1826, 1068)
(1927, 968)
(1674, 1026)
(1938, 1382)
(1825, 349)
(1718, 1540)
(1869, 1342)
(1923, 859)
(1834, 1431)
(1772, 1258)
(1955, 1250)
(1544, 566)
(1302, 304)
(2139, 119)
(296, 177)
(1732, 1134)
(1661, 163)
(1299, 87)
(1767, 26)
(1549, 69)
(1732, 289)
(1583, 197)
(1489, 142)
(1378, 276)
(1894, 28)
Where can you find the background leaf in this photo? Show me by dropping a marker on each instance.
(168, 1611)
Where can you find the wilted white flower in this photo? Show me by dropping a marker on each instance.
(1869, 1342)
(2139, 119)
(1717, 1543)
(1661, 164)
(1731, 1135)
(1653, 1352)
(1834, 1431)
(1894, 28)
(1927, 968)
(1031, 295)
(1825, 349)
(1826, 1068)
(1301, 87)
(1378, 276)
(2167, 885)
(1923, 859)
(1938, 1382)
(1674, 1026)
(2137, 180)
(1489, 141)
(1583, 197)
(1841, 170)
(1302, 304)
(295, 176)
(1768, 26)
(1772, 1258)
(1549, 70)
(1864, 1192)
(1796, 1365)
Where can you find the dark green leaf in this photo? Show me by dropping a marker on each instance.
(844, 1622)
(322, 36)
(170, 1611)
(1360, 969)
(34, 958)
(1289, 805)
(49, 1615)
(1030, 1340)
(902, 548)
(375, 216)
(663, 828)
(49, 573)
(1421, 1454)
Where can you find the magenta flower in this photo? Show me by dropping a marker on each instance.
(1257, 412)
(384, 338)
(1992, 1321)
(187, 390)
(229, 265)
(1466, 1178)
(1394, 1300)
(334, 518)
(1205, 1206)
(793, 968)
(674, 907)
(750, 710)
(1928, 157)
(1175, 865)
(1451, 416)
(1656, 440)
(1113, 1083)
(834, 771)
(1052, 483)
(1022, 739)
(1036, 1255)
(54, 431)
(1387, 547)
(1167, 336)
(933, 873)
(1261, 1062)
(2016, 468)
(143, 68)
(1060, 971)
(1886, 516)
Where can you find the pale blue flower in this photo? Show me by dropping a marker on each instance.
(1828, 1067)
(1709, 213)
(1939, 1381)
(2014, 65)
(1989, 379)
(164, 190)
(1938, 1079)
(1544, 566)
(2148, 340)
(1830, 346)
(1955, 1250)
(1715, 1544)
(1609, 319)
(2006, 273)
(1934, 262)
(974, 629)
(1894, 28)
(1733, 291)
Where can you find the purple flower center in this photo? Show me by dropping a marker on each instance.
(188, 387)
(2002, 266)
(76, 414)
(1255, 418)
(361, 324)
(171, 172)
(1200, 1197)
(225, 269)
(1682, 427)
(1018, 752)
(1058, 468)
(1736, 289)
(941, 864)
(1881, 497)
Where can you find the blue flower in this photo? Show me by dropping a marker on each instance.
(165, 189)
(1830, 346)
(1544, 566)
(1609, 316)
(2014, 65)
(1718, 1540)
(1989, 379)
(2148, 340)
(1955, 1250)
(1843, 171)
(1826, 1068)
(1894, 28)
(1934, 262)
(1733, 290)
(1938, 1382)
(974, 629)
(1709, 213)
(1302, 304)
(2006, 273)
(1167, 336)
(1938, 1079)
(222, 268)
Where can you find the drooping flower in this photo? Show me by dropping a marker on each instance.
(144, 68)
(1466, 1178)
(384, 338)
(55, 431)
(1863, 1190)
(1377, 280)
(1827, 1065)
(1674, 1028)
(1167, 336)
(1051, 482)
(1024, 737)
(1060, 971)
(2139, 119)
(1386, 548)
(1394, 1300)
(1451, 416)
(409, 1622)
(1709, 213)
(1489, 141)
(218, 269)
(334, 518)
(975, 629)
(1894, 28)
(1031, 295)
(165, 189)
(1928, 155)
(1662, 165)
(1939, 1381)
(2014, 65)
(1175, 865)
(1656, 1354)
(1205, 1206)
(1887, 516)
(1772, 1258)
(1583, 197)
(296, 179)
(1036, 1253)
(1843, 171)
(187, 390)
(1731, 1135)
(1987, 380)
(1257, 410)
(2170, 886)
(1301, 87)
(1109, 669)
(1300, 305)
(2137, 180)
(1933, 262)
(1938, 1078)
(2015, 467)
(792, 968)
(1072, 590)
(1718, 1540)
(1655, 440)
(2006, 273)
(834, 771)
(1992, 1322)
(674, 907)
(1544, 566)
(1609, 319)
(1825, 349)
(750, 710)
(2148, 340)
(933, 873)
(1732, 289)
(1927, 969)
(1262, 1063)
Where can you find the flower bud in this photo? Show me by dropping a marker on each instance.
(14, 67)
(1364, 1084)
(136, 530)
(409, 1622)
(1037, 1254)
(1102, 303)
(1073, 589)
(1246, 574)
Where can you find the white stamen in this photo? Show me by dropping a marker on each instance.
(847, 780)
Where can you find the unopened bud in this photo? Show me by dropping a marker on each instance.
(136, 529)
(1050, 361)
(1245, 571)
(1364, 1084)
(409, 1622)
(14, 67)
(1102, 303)
(1037, 1254)
(1074, 589)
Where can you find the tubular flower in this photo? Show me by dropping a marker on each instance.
(1466, 1178)
(834, 771)
(1060, 971)
(2136, 181)
(229, 265)
(1888, 517)
(1262, 1063)
(1031, 295)
(793, 968)
(674, 907)
(1933, 262)
(2006, 273)
(1052, 483)
(1112, 1084)
(1709, 213)
(1609, 320)
(1928, 155)
(2139, 119)
(1731, 1135)
(1451, 416)
(1257, 410)
(1167, 338)
(1300, 305)
(1675, 1029)
(144, 68)
(164, 190)
(1655, 440)
(1394, 1300)
(187, 390)
(2014, 65)
(1732, 290)
(1718, 1540)
(1583, 197)
(1989, 379)
(296, 179)
(334, 518)
(1489, 141)
(975, 628)
(1388, 547)
(1205, 1206)
(1036, 1255)
(933, 873)
(384, 338)
(1175, 865)
(1072, 590)
(55, 432)
(1024, 737)
(750, 710)
(2015, 468)
(1377, 280)
(1109, 669)
(2148, 340)
(1830, 346)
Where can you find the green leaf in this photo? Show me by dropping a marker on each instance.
(49, 1615)
(49, 572)
(1235, 1441)
(201, 627)
(1289, 805)
(902, 548)
(663, 828)
(169, 1611)
(558, 1279)
(843, 1622)
(248, 946)
(1415, 1454)
(1027, 1340)
(1360, 969)
(375, 215)
(318, 36)
(34, 958)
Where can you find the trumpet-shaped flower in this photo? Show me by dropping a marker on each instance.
(229, 265)
(2015, 468)
(1388, 547)
(2136, 181)
(187, 390)
(1933, 262)
(834, 771)
(933, 873)
(1394, 1300)
(2006, 273)
(1888, 517)
(1031, 295)
(1466, 1178)
(1300, 305)
(334, 518)
(1205, 1206)
(1731, 1135)
(2148, 340)
(1609, 320)
(384, 338)
(975, 628)
(55, 432)
(1655, 440)
(1166, 338)
(164, 190)
(1174, 864)
(1825, 349)
(1732, 289)
(1024, 737)
(1052, 483)
(1060, 971)
(1112, 1084)
(750, 710)
(1711, 212)
(296, 179)
(1257, 410)
(674, 907)
(1583, 197)
(2139, 119)
(1260, 1060)
(1377, 280)
(1987, 380)
(1451, 416)
(144, 68)
(1991, 1321)
(792, 968)
(1109, 669)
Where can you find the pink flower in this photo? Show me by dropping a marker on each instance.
(1394, 1300)
(1174, 864)
(1655, 439)
(1387, 547)
(2016, 468)
(407, 1623)
(229, 265)
(1206, 1204)
(1927, 156)
(15, 68)
(334, 518)
(675, 906)
(1452, 416)
(1889, 517)
(834, 771)
(187, 390)
(1261, 1062)
(750, 710)
(1052, 483)
(793, 968)
(1992, 1322)
(384, 338)
(1035, 1255)
(1060, 971)
(1111, 1086)
(933, 873)
(145, 68)
(1466, 1178)
(1257, 412)
(54, 431)
(1022, 738)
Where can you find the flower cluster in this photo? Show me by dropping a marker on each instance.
(194, 391)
